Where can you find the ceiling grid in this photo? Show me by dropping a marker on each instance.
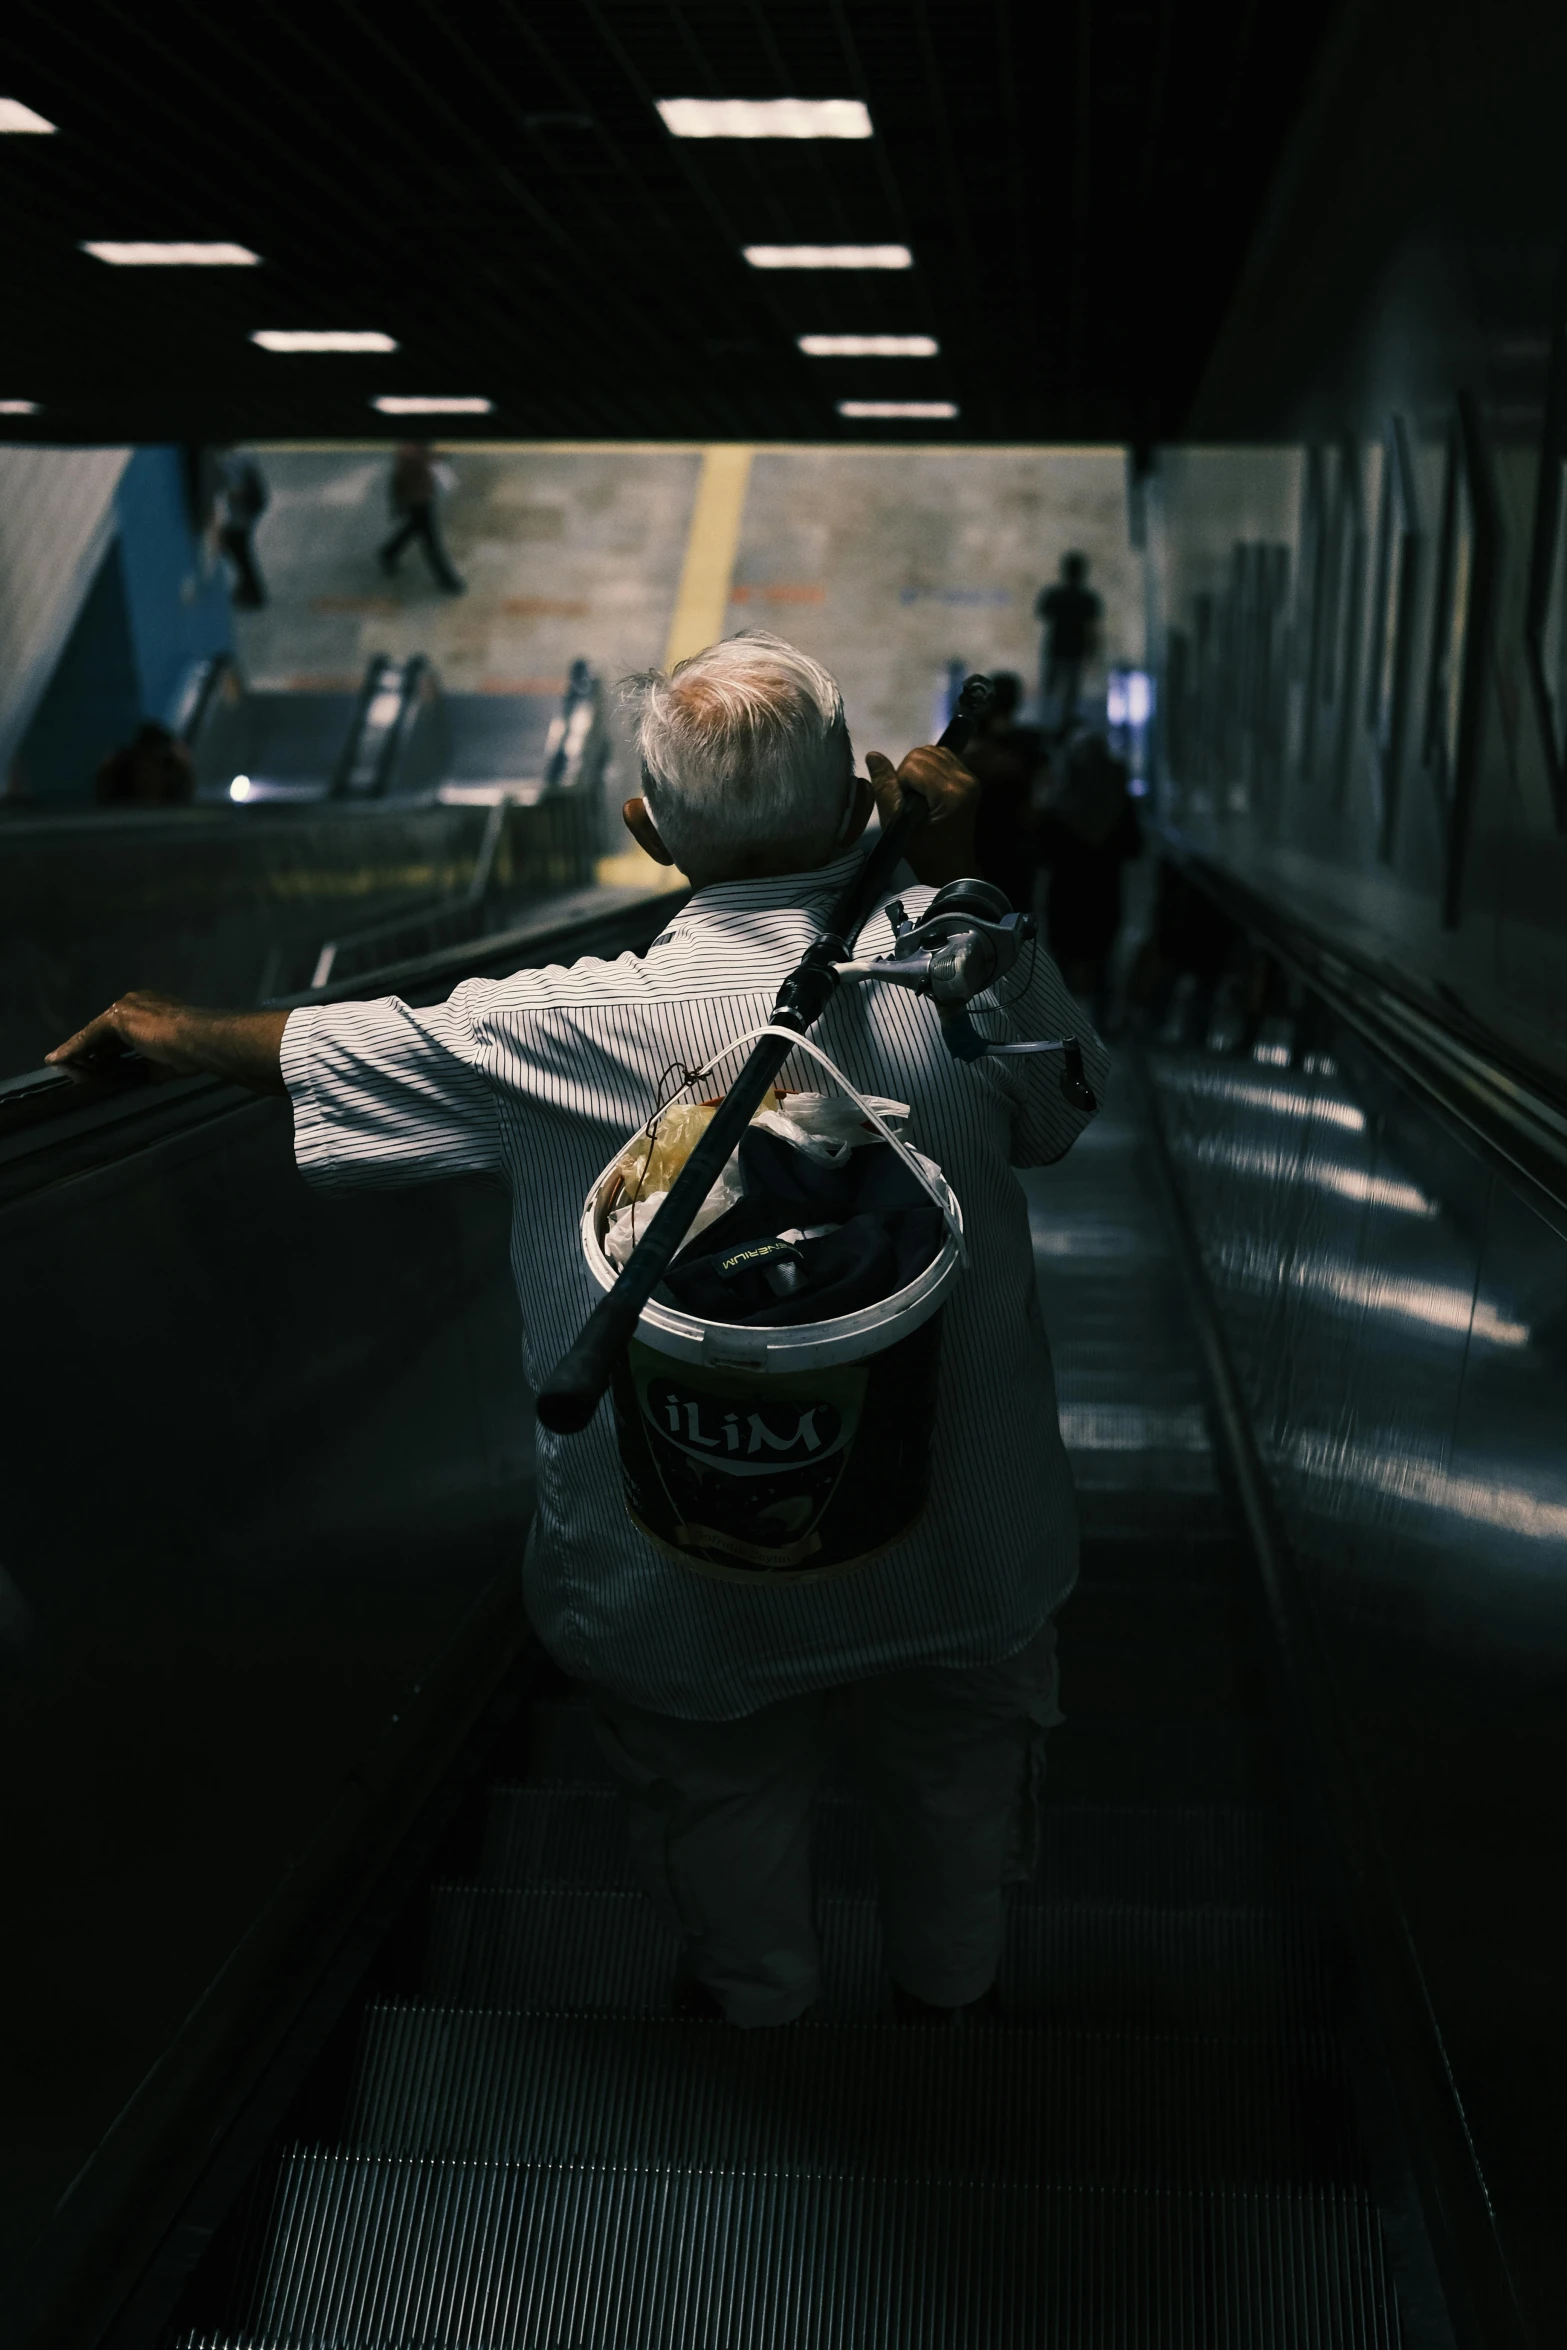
(489, 183)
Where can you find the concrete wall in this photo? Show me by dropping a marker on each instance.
(56, 522)
(887, 564)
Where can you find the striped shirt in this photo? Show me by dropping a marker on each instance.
(540, 1079)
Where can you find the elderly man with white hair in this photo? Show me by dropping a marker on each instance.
(716, 1699)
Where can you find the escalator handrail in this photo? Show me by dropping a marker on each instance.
(348, 757)
(462, 904)
(35, 1103)
(219, 666)
(1515, 1111)
(410, 678)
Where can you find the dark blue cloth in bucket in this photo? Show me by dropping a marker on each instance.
(887, 1230)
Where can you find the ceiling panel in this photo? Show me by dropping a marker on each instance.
(493, 186)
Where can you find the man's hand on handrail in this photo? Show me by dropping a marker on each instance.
(943, 849)
(244, 1047)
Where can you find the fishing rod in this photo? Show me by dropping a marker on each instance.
(944, 956)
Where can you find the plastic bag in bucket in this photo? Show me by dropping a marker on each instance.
(783, 1452)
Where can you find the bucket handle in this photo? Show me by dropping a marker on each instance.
(804, 1044)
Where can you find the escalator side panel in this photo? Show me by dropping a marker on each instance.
(1393, 1307)
(267, 1457)
(220, 905)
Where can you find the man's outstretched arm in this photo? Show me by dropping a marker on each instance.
(244, 1047)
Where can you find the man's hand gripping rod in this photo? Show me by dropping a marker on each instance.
(570, 1395)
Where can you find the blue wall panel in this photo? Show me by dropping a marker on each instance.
(93, 701)
(178, 611)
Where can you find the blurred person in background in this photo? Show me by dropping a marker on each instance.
(1189, 937)
(1087, 831)
(153, 770)
(417, 479)
(1070, 613)
(244, 494)
(1006, 758)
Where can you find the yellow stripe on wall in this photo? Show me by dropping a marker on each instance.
(703, 601)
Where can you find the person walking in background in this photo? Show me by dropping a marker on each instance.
(1070, 613)
(1006, 758)
(243, 488)
(416, 479)
(1087, 831)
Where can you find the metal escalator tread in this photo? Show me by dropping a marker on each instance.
(1119, 1760)
(1154, 2148)
(590, 1950)
(1102, 2109)
(1160, 1855)
(372, 2250)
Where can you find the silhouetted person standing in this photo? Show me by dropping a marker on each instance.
(1070, 612)
(153, 770)
(1006, 758)
(414, 487)
(1189, 934)
(245, 495)
(1087, 832)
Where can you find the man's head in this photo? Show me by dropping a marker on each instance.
(746, 763)
(1074, 569)
(1006, 692)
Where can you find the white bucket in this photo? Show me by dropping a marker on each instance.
(779, 1455)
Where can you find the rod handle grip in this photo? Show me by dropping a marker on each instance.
(579, 1379)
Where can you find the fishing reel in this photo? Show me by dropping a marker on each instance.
(966, 941)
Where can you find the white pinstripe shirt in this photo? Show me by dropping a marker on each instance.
(539, 1079)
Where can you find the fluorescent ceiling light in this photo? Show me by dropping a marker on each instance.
(932, 411)
(18, 407)
(765, 118)
(14, 116)
(174, 256)
(421, 404)
(869, 346)
(287, 338)
(829, 256)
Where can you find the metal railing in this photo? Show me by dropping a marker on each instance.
(1515, 1112)
(525, 853)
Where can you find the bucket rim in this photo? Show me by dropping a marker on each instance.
(782, 1347)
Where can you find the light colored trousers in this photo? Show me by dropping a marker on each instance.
(951, 1759)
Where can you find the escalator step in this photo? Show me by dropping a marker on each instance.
(1173, 1762)
(1174, 1561)
(1175, 1475)
(1144, 1614)
(575, 1950)
(1155, 1519)
(1120, 1762)
(1063, 2108)
(371, 2252)
(1179, 1679)
(1163, 1855)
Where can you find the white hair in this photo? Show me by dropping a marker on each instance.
(744, 747)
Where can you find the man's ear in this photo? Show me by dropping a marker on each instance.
(861, 808)
(639, 823)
